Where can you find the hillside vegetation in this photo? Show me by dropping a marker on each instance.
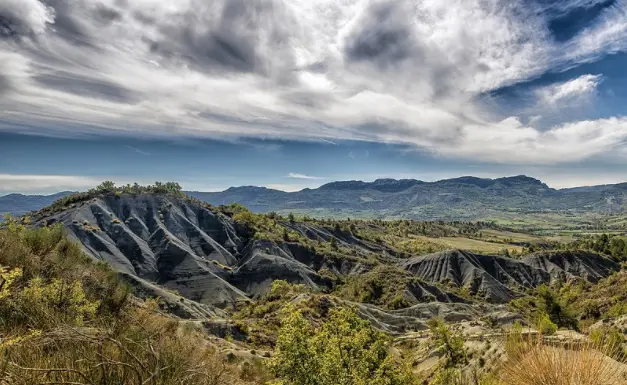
(145, 285)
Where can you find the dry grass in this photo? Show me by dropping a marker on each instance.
(90, 331)
(148, 349)
(533, 362)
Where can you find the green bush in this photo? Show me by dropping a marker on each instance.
(344, 350)
(452, 344)
(546, 326)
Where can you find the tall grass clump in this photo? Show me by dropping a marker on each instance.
(536, 361)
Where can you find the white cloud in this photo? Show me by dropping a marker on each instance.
(290, 187)
(302, 176)
(509, 141)
(401, 71)
(44, 183)
(138, 150)
(25, 17)
(576, 89)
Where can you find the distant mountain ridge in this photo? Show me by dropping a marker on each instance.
(466, 198)
(18, 204)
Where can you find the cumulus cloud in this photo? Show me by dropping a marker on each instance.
(403, 71)
(576, 89)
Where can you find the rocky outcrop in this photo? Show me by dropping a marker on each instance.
(500, 279)
(186, 248)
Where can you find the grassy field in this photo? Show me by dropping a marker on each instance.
(476, 245)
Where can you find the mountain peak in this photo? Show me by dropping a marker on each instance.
(382, 184)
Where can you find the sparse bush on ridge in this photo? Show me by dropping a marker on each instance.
(109, 188)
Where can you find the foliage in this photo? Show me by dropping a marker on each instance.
(610, 340)
(604, 300)
(554, 307)
(344, 350)
(7, 277)
(109, 188)
(545, 302)
(450, 343)
(608, 244)
(546, 326)
(382, 286)
(65, 319)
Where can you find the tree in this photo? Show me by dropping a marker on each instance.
(106, 186)
(291, 218)
(556, 311)
(452, 344)
(344, 350)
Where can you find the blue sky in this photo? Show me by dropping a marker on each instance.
(294, 94)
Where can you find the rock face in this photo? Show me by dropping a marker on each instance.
(565, 265)
(183, 247)
(500, 279)
(200, 261)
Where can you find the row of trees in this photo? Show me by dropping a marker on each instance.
(612, 245)
(159, 188)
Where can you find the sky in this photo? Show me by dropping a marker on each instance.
(294, 94)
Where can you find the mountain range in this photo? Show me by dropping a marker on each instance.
(450, 199)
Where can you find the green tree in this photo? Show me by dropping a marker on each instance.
(452, 344)
(546, 326)
(106, 186)
(291, 218)
(344, 350)
(557, 312)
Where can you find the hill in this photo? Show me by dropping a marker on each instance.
(216, 258)
(19, 204)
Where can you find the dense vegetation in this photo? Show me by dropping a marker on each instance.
(344, 349)
(608, 244)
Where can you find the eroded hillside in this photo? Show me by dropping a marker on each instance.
(216, 258)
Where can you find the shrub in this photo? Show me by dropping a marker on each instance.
(452, 344)
(343, 350)
(67, 320)
(546, 326)
(534, 363)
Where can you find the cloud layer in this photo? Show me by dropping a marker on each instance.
(403, 71)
